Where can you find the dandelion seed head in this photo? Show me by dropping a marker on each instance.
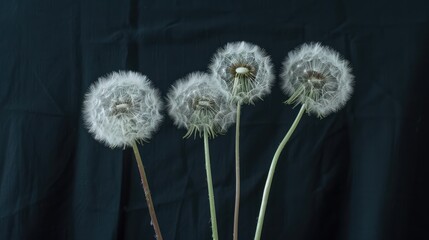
(198, 103)
(122, 108)
(318, 76)
(245, 69)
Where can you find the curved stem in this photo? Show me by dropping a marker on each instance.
(147, 194)
(271, 173)
(237, 171)
(210, 186)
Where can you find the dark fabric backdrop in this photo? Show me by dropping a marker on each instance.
(359, 174)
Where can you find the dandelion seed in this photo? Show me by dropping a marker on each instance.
(246, 70)
(122, 108)
(318, 77)
(199, 103)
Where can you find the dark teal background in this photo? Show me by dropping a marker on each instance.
(359, 174)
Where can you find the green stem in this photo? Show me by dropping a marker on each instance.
(147, 194)
(237, 171)
(210, 186)
(271, 173)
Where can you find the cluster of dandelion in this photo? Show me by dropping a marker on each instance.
(123, 109)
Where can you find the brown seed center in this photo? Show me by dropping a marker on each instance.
(315, 79)
(242, 70)
(119, 108)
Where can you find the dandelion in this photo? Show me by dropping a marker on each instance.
(319, 79)
(247, 72)
(120, 110)
(202, 106)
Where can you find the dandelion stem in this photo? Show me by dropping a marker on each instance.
(210, 186)
(147, 194)
(272, 170)
(237, 171)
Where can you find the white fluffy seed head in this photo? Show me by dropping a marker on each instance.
(122, 108)
(199, 103)
(245, 69)
(317, 76)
